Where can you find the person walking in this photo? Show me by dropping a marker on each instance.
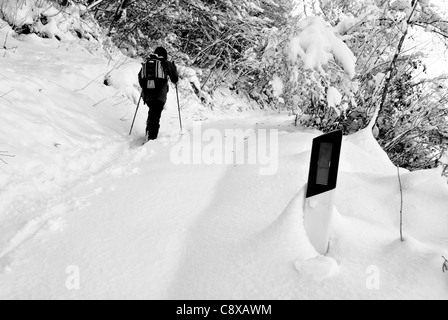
(153, 79)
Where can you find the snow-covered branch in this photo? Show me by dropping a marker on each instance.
(94, 4)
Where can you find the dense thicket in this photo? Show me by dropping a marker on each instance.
(225, 38)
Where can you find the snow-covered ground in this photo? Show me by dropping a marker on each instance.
(85, 213)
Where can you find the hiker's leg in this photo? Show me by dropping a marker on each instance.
(154, 115)
(149, 104)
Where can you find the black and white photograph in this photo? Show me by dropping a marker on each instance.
(224, 156)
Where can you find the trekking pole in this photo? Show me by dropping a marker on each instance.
(178, 106)
(135, 116)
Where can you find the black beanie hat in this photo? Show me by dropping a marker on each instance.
(161, 52)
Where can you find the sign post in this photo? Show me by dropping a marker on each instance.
(322, 181)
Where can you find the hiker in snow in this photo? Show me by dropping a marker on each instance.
(153, 79)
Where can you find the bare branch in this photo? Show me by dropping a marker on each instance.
(5, 47)
(99, 102)
(3, 95)
(391, 71)
(433, 28)
(5, 154)
(401, 207)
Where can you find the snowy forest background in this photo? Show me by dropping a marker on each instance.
(382, 81)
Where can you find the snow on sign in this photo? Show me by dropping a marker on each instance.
(322, 181)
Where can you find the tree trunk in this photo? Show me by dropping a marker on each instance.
(391, 71)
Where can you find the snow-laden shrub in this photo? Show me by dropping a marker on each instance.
(413, 128)
(316, 69)
(49, 19)
(411, 125)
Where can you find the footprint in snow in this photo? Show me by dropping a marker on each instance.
(319, 268)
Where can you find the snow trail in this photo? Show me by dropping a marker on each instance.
(143, 206)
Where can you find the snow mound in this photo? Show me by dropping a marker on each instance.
(123, 77)
(289, 231)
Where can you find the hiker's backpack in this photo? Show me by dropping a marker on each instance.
(153, 76)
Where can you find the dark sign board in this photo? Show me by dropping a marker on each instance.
(324, 163)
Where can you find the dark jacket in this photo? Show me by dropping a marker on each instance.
(160, 95)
